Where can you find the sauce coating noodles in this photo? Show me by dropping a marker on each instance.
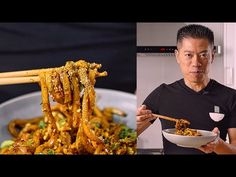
(75, 124)
(181, 128)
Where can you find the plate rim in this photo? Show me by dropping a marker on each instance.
(212, 133)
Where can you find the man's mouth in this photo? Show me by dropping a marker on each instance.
(196, 72)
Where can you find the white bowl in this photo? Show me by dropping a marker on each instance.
(189, 141)
(216, 116)
(29, 106)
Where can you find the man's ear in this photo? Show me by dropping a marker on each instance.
(213, 56)
(177, 56)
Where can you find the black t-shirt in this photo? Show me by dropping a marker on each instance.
(178, 100)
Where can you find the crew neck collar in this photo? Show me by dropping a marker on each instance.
(203, 91)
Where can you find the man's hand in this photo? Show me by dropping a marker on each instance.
(144, 115)
(212, 146)
(143, 118)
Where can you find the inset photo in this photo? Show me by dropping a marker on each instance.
(186, 97)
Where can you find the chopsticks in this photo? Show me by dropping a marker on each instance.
(18, 80)
(27, 76)
(165, 117)
(171, 119)
(20, 77)
(24, 73)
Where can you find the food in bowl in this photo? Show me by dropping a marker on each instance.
(181, 127)
(75, 125)
(189, 141)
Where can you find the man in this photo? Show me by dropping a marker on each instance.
(194, 96)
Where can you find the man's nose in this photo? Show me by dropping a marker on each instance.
(196, 61)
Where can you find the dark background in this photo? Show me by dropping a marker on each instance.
(41, 45)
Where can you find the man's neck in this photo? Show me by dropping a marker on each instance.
(197, 86)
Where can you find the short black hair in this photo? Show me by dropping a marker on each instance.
(195, 31)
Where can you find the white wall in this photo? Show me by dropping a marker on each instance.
(155, 70)
(230, 54)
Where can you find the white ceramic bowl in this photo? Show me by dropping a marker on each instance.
(29, 106)
(216, 116)
(189, 141)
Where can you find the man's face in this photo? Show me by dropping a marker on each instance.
(194, 57)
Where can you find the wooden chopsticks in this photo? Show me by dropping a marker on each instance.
(20, 77)
(165, 117)
(172, 119)
(18, 80)
(25, 73)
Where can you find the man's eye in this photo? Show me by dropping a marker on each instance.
(188, 55)
(204, 55)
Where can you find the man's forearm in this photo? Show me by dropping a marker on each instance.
(143, 127)
(225, 148)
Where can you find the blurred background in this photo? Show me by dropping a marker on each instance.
(26, 46)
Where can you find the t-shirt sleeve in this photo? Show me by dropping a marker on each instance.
(152, 101)
(232, 122)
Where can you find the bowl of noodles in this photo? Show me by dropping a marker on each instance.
(198, 138)
(69, 115)
(28, 106)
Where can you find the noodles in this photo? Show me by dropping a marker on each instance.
(74, 125)
(181, 129)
